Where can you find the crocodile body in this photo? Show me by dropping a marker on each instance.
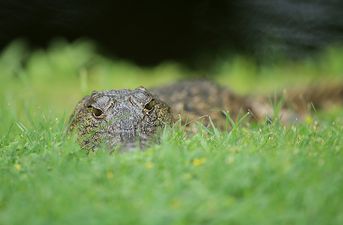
(202, 100)
(131, 118)
(119, 118)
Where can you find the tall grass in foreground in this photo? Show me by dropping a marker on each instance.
(255, 174)
(264, 174)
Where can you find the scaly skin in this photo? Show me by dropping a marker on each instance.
(199, 100)
(131, 118)
(119, 119)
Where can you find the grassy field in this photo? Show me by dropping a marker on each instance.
(257, 174)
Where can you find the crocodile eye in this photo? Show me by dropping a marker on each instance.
(150, 105)
(97, 113)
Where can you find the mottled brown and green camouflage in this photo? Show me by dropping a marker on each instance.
(126, 119)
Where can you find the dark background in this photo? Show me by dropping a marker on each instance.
(151, 31)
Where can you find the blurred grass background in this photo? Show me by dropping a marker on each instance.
(255, 175)
(60, 75)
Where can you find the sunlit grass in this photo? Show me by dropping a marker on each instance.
(255, 174)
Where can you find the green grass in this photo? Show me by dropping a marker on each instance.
(256, 174)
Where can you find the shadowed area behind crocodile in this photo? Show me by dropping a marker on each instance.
(199, 100)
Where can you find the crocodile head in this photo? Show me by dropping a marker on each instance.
(123, 119)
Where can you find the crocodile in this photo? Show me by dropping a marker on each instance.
(130, 119)
(119, 119)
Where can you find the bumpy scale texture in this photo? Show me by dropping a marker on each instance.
(122, 119)
(201, 100)
(132, 118)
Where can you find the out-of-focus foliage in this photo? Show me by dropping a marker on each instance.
(259, 174)
(195, 33)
